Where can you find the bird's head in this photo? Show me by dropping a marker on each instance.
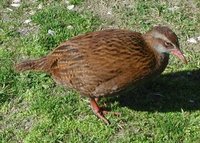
(166, 41)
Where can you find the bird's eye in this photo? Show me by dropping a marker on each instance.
(169, 45)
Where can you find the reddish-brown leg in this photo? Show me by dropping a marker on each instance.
(97, 110)
(104, 106)
(97, 99)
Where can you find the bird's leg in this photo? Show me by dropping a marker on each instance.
(98, 111)
(103, 109)
(97, 99)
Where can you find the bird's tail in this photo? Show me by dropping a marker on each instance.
(38, 65)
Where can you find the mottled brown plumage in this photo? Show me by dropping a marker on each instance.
(105, 62)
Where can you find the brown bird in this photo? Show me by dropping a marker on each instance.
(103, 63)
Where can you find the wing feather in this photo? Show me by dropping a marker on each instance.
(100, 60)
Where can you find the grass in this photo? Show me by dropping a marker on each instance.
(34, 109)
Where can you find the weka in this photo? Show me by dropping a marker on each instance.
(102, 63)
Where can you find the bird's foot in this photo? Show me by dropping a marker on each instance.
(100, 112)
(110, 112)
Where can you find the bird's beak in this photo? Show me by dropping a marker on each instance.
(179, 54)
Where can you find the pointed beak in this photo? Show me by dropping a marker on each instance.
(180, 55)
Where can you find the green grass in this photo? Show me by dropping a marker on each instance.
(34, 109)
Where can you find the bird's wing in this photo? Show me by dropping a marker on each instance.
(101, 60)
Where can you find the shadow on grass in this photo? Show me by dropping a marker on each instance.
(167, 93)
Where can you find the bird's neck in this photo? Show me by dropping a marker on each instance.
(161, 55)
(163, 59)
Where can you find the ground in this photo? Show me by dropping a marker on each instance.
(35, 109)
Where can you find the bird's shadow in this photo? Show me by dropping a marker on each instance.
(171, 92)
(167, 93)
